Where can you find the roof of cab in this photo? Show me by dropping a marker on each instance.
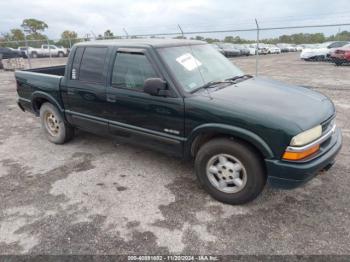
(151, 42)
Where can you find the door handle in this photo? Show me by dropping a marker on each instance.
(111, 98)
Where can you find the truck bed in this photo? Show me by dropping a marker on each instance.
(39, 80)
(52, 70)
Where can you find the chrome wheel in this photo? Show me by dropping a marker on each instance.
(51, 124)
(226, 173)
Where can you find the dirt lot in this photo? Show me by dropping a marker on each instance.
(97, 196)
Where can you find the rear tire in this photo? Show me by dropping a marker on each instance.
(56, 129)
(231, 171)
(60, 54)
(34, 55)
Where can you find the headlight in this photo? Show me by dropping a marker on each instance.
(307, 136)
(300, 141)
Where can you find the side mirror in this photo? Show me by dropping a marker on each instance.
(155, 87)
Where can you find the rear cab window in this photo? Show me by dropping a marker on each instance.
(89, 64)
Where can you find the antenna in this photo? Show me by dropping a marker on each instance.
(93, 34)
(126, 33)
(182, 32)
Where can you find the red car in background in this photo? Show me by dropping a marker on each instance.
(341, 55)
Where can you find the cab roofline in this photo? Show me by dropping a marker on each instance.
(154, 42)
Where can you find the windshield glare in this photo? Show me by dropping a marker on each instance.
(195, 65)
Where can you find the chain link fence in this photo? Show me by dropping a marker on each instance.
(251, 37)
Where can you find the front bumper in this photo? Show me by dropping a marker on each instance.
(284, 174)
(307, 55)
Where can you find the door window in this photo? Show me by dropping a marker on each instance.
(92, 65)
(76, 63)
(131, 70)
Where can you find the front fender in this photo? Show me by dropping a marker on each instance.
(238, 132)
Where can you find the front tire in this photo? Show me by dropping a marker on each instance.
(56, 129)
(231, 171)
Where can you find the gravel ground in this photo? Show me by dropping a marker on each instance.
(97, 196)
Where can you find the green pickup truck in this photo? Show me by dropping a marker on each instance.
(186, 99)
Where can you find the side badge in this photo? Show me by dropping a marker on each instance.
(74, 74)
(171, 131)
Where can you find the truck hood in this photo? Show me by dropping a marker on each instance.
(275, 102)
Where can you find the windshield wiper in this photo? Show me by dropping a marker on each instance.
(238, 77)
(212, 84)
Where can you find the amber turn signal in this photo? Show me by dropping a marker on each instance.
(290, 155)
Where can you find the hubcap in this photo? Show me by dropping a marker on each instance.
(51, 124)
(226, 173)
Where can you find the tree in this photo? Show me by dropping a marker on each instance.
(342, 36)
(198, 37)
(108, 34)
(35, 25)
(228, 39)
(68, 38)
(211, 40)
(180, 37)
(69, 35)
(16, 34)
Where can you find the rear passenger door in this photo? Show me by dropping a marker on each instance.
(86, 89)
(141, 118)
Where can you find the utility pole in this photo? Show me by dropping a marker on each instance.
(26, 30)
(49, 47)
(257, 48)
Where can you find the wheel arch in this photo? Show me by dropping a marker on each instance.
(204, 133)
(38, 98)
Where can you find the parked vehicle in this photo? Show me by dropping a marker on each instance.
(8, 53)
(287, 47)
(321, 52)
(299, 48)
(229, 49)
(272, 49)
(292, 48)
(45, 51)
(341, 55)
(243, 49)
(252, 50)
(216, 47)
(183, 98)
(24, 50)
(284, 47)
(262, 49)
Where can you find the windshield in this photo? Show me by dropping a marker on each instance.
(196, 65)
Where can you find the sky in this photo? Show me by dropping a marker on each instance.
(160, 16)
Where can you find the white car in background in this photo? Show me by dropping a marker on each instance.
(292, 48)
(262, 48)
(45, 51)
(272, 49)
(252, 50)
(299, 48)
(320, 52)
